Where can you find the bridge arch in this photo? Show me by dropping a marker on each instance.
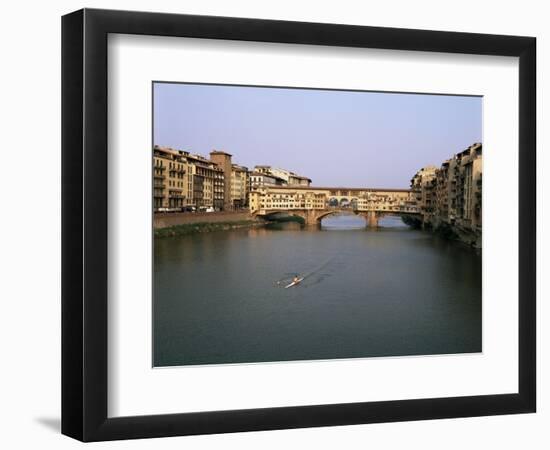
(272, 216)
(332, 212)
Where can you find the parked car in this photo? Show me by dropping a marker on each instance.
(210, 209)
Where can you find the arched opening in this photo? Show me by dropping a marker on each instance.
(333, 202)
(391, 221)
(343, 221)
(283, 217)
(344, 203)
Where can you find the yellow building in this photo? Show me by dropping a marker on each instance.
(269, 198)
(239, 186)
(170, 186)
(181, 179)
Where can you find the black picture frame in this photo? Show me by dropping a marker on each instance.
(84, 224)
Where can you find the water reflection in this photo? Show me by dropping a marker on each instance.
(343, 222)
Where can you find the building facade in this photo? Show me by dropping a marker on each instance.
(451, 195)
(288, 198)
(223, 161)
(182, 180)
(239, 186)
(468, 175)
(260, 179)
(170, 179)
(207, 183)
(422, 184)
(289, 178)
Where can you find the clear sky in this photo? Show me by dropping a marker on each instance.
(336, 138)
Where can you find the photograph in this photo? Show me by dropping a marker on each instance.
(270, 225)
(300, 224)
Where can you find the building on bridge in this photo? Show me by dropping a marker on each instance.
(315, 203)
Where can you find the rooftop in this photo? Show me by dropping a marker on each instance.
(220, 152)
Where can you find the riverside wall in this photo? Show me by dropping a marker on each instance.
(166, 220)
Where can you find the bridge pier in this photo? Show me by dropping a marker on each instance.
(372, 219)
(311, 217)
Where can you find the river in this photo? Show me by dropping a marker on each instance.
(219, 297)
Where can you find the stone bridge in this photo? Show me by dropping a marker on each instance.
(313, 204)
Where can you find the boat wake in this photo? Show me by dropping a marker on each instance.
(296, 279)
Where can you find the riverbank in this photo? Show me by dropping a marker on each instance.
(167, 220)
(182, 224)
(447, 231)
(205, 227)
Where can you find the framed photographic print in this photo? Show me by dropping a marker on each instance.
(272, 224)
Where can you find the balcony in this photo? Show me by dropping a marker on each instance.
(174, 170)
(160, 177)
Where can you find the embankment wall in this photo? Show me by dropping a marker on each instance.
(165, 220)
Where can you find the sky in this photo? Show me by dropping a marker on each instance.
(336, 138)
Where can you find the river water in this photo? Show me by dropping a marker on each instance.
(219, 297)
